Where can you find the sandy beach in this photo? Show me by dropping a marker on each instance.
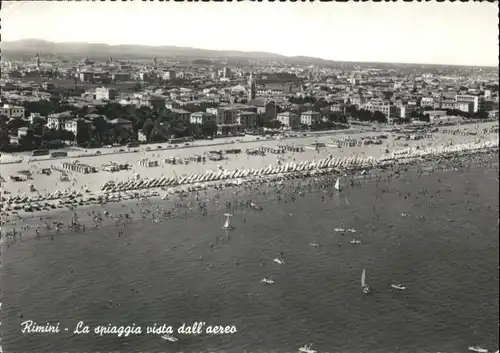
(40, 190)
(94, 181)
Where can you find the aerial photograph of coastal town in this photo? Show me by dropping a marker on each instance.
(249, 177)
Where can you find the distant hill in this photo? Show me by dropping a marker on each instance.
(96, 50)
(99, 51)
(29, 47)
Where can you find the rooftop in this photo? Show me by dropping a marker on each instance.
(310, 112)
(179, 111)
(120, 121)
(62, 115)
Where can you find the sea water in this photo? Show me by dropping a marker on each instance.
(445, 252)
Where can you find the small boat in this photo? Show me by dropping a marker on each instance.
(267, 280)
(478, 349)
(339, 229)
(364, 287)
(354, 241)
(337, 185)
(352, 230)
(227, 225)
(255, 206)
(170, 338)
(314, 244)
(279, 260)
(398, 286)
(307, 349)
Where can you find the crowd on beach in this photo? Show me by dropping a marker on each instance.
(15, 206)
(283, 187)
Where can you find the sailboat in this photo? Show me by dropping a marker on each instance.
(307, 349)
(478, 349)
(227, 224)
(170, 338)
(337, 184)
(364, 287)
(267, 280)
(398, 286)
(279, 260)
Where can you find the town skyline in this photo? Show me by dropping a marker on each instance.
(416, 34)
(216, 55)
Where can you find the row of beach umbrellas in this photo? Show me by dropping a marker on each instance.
(403, 157)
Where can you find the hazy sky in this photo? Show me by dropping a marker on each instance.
(443, 33)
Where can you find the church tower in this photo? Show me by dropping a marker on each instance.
(252, 88)
(154, 62)
(37, 61)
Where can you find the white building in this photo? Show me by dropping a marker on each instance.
(388, 109)
(478, 103)
(226, 73)
(199, 118)
(289, 120)
(406, 110)
(12, 112)
(169, 75)
(224, 115)
(310, 117)
(466, 107)
(427, 102)
(105, 94)
(34, 116)
(181, 115)
(57, 121)
(435, 115)
(248, 120)
(74, 125)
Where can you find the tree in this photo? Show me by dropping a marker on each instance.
(100, 128)
(27, 141)
(137, 87)
(273, 124)
(209, 128)
(164, 115)
(379, 117)
(15, 124)
(178, 129)
(415, 114)
(159, 133)
(4, 134)
(202, 107)
(336, 117)
(120, 134)
(38, 126)
(43, 107)
(111, 110)
(425, 118)
(317, 126)
(84, 135)
(147, 127)
(300, 100)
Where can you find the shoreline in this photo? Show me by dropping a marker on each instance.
(184, 204)
(112, 192)
(48, 194)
